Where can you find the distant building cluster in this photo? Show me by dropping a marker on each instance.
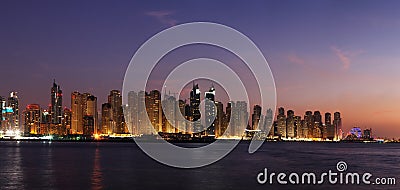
(311, 126)
(81, 118)
(147, 113)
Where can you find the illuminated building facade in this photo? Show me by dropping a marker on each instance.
(32, 117)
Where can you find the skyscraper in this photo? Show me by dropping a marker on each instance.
(10, 113)
(308, 124)
(115, 100)
(269, 118)
(317, 129)
(220, 127)
(290, 124)
(91, 113)
(281, 123)
(255, 117)
(77, 113)
(337, 123)
(56, 104)
(107, 124)
(210, 111)
(32, 119)
(298, 133)
(195, 108)
(330, 128)
(13, 104)
(170, 110)
(132, 113)
(241, 116)
(66, 120)
(154, 110)
(84, 117)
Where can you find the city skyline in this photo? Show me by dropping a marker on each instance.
(84, 106)
(327, 56)
(116, 118)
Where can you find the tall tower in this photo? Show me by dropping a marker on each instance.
(14, 107)
(56, 104)
(210, 111)
(290, 124)
(330, 129)
(90, 115)
(317, 130)
(308, 124)
(115, 100)
(281, 123)
(106, 119)
(337, 123)
(132, 113)
(219, 119)
(195, 107)
(255, 117)
(76, 113)
(269, 118)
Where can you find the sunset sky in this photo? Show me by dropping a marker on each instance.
(324, 55)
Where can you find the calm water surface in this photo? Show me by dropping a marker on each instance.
(63, 165)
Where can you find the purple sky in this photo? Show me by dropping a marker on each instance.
(326, 55)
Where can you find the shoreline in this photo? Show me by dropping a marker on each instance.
(200, 141)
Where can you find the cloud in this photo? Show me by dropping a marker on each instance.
(296, 59)
(163, 17)
(345, 56)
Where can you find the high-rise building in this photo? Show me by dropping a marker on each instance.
(91, 114)
(10, 113)
(229, 122)
(337, 123)
(195, 108)
(309, 124)
(220, 126)
(144, 124)
(170, 110)
(84, 116)
(132, 113)
(210, 111)
(290, 125)
(66, 120)
(281, 123)
(115, 100)
(181, 119)
(154, 110)
(298, 127)
(269, 119)
(32, 119)
(56, 104)
(13, 104)
(255, 117)
(77, 113)
(329, 127)
(317, 129)
(241, 116)
(107, 123)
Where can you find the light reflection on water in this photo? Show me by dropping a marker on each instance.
(96, 178)
(12, 175)
(34, 165)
